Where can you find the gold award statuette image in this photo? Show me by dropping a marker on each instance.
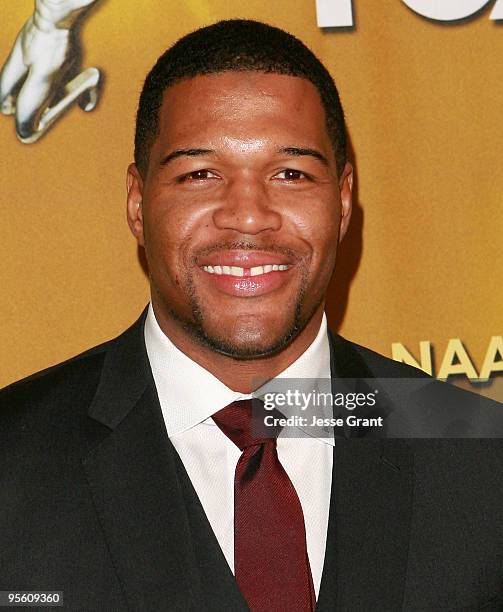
(42, 77)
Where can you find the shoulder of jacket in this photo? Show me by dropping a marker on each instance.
(379, 365)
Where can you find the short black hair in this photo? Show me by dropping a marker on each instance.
(240, 45)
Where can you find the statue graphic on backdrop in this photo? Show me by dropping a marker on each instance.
(42, 76)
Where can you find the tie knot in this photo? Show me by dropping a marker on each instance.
(244, 425)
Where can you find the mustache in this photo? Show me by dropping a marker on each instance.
(247, 245)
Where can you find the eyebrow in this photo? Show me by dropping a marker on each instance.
(184, 153)
(292, 151)
(301, 151)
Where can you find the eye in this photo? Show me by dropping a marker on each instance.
(289, 174)
(198, 175)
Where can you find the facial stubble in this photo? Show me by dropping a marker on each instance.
(195, 326)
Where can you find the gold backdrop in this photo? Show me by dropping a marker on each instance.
(423, 260)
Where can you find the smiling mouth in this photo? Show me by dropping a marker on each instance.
(244, 272)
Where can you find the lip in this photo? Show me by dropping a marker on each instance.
(248, 286)
(244, 259)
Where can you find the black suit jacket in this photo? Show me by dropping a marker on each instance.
(95, 502)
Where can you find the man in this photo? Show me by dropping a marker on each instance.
(131, 480)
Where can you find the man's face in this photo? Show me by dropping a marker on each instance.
(241, 210)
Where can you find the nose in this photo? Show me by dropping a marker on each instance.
(246, 207)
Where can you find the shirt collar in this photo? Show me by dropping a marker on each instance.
(189, 394)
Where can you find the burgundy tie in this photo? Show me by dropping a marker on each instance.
(270, 555)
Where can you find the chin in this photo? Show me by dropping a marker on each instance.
(244, 336)
(248, 339)
(245, 350)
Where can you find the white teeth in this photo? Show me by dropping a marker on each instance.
(238, 271)
(231, 270)
(256, 271)
(267, 268)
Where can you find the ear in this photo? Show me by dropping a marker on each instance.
(346, 190)
(134, 185)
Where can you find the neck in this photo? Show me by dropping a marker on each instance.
(242, 375)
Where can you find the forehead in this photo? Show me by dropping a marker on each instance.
(241, 104)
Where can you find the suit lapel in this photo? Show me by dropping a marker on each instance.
(137, 497)
(219, 587)
(140, 492)
(370, 512)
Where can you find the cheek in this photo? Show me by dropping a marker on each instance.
(325, 241)
(166, 263)
(318, 226)
(170, 228)
(160, 244)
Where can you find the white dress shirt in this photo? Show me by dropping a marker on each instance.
(189, 395)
